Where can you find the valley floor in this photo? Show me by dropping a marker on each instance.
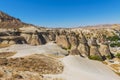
(74, 67)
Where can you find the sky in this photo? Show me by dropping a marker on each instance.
(63, 13)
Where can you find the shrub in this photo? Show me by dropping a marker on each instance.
(117, 44)
(114, 38)
(117, 55)
(95, 57)
(108, 57)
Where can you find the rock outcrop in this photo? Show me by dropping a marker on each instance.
(73, 40)
(94, 48)
(104, 49)
(63, 41)
(83, 46)
(12, 40)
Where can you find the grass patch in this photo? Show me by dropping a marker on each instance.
(118, 73)
(117, 55)
(42, 64)
(113, 38)
(95, 57)
(116, 44)
(108, 57)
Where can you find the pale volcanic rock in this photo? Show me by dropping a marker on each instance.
(83, 46)
(94, 48)
(105, 50)
(62, 41)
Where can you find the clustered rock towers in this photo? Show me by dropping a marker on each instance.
(74, 42)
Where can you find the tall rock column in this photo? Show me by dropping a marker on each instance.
(104, 49)
(35, 39)
(94, 48)
(83, 45)
(73, 39)
(63, 41)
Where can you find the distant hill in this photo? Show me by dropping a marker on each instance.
(7, 21)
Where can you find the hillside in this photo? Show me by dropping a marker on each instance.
(7, 21)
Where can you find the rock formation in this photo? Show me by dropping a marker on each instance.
(63, 41)
(74, 40)
(12, 40)
(104, 49)
(83, 45)
(94, 48)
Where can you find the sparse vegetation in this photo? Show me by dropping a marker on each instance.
(116, 44)
(95, 57)
(118, 73)
(38, 63)
(6, 54)
(108, 57)
(117, 55)
(67, 48)
(114, 38)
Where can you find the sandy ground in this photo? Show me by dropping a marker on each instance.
(26, 50)
(75, 67)
(84, 69)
